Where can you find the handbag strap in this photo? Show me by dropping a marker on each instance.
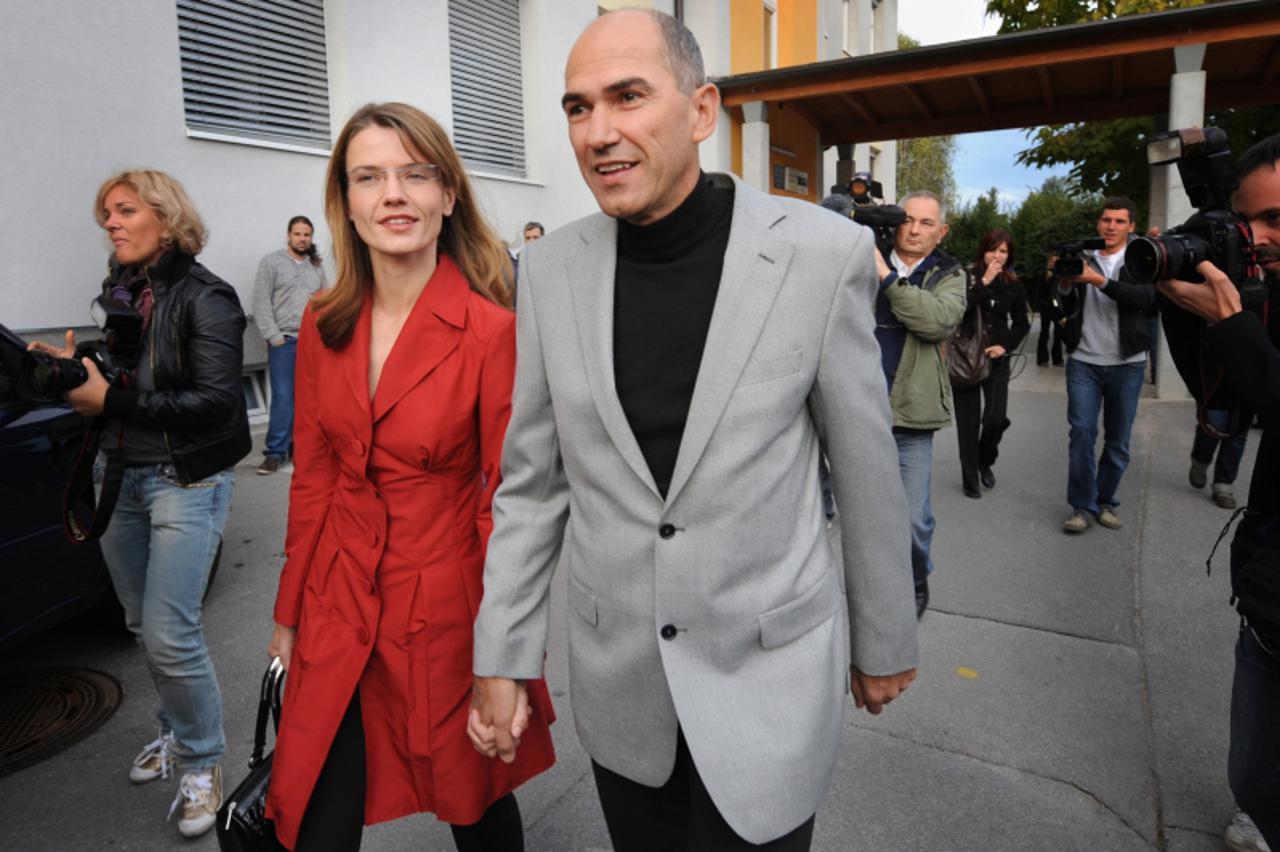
(268, 705)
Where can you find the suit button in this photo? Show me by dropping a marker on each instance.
(668, 632)
(667, 531)
(363, 636)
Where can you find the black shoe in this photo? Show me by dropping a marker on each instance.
(1042, 362)
(922, 599)
(971, 491)
(1057, 363)
(988, 478)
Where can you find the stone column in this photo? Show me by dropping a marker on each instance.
(755, 145)
(1186, 109)
(844, 165)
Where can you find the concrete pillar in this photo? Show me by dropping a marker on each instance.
(755, 145)
(844, 165)
(1186, 109)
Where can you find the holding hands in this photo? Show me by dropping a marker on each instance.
(499, 716)
(874, 692)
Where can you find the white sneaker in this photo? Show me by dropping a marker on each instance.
(154, 761)
(201, 795)
(1243, 836)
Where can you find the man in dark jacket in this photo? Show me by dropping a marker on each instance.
(1243, 347)
(1105, 331)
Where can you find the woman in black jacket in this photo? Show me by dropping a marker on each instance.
(174, 425)
(980, 410)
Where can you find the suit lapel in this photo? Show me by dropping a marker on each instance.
(591, 271)
(755, 264)
(429, 335)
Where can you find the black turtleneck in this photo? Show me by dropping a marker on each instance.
(664, 292)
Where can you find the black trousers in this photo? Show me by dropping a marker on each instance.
(679, 816)
(1042, 346)
(334, 819)
(981, 420)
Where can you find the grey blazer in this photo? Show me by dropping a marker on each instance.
(718, 610)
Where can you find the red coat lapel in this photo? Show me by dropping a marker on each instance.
(431, 332)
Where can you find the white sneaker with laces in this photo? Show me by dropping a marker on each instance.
(200, 794)
(1243, 836)
(154, 761)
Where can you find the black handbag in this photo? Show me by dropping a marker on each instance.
(242, 825)
(967, 361)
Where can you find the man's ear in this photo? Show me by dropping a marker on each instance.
(706, 102)
(942, 232)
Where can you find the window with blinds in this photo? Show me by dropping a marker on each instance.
(487, 84)
(256, 69)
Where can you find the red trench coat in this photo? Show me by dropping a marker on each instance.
(389, 513)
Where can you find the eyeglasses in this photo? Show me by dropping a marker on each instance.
(412, 175)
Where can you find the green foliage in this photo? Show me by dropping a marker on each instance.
(968, 223)
(1054, 213)
(925, 162)
(1110, 156)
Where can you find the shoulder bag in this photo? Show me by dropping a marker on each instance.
(967, 360)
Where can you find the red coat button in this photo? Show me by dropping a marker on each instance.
(363, 636)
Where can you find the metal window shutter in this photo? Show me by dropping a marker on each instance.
(487, 85)
(255, 68)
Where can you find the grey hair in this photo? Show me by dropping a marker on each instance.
(932, 196)
(682, 55)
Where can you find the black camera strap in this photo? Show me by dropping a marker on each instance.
(82, 483)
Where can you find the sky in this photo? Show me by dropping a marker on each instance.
(982, 160)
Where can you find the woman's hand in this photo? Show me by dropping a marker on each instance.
(996, 351)
(993, 269)
(68, 350)
(89, 398)
(281, 644)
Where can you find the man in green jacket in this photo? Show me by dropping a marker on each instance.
(921, 301)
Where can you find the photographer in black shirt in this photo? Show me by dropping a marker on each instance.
(1237, 351)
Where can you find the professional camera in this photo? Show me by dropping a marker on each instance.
(1215, 232)
(1070, 256)
(883, 220)
(41, 377)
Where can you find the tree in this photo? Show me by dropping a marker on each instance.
(925, 162)
(1054, 213)
(1110, 156)
(968, 223)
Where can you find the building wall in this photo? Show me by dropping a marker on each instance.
(101, 90)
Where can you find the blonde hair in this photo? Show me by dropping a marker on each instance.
(165, 196)
(466, 237)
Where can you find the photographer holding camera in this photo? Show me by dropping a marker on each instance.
(1105, 331)
(173, 426)
(1241, 346)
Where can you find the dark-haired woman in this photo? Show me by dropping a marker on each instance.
(981, 410)
(286, 281)
(403, 393)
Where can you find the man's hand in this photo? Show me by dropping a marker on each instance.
(276, 342)
(89, 398)
(874, 692)
(1092, 276)
(1215, 300)
(499, 716)
(882, 268)
(281, 644)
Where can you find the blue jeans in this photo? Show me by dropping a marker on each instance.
(1230, 450)
(915, 463)
(280, 361)
(1113, 392)
(1253, 764)
(159, 548)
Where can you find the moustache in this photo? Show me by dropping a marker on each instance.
(1267, 254)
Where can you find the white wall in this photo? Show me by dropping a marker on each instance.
(90, 93)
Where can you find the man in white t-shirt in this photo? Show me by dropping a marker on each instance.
(1106, 334)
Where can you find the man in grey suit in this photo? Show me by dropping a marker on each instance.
(682, 357)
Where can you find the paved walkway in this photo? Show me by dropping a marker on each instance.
(1073, 692)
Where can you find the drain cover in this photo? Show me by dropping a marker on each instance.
(43, 712)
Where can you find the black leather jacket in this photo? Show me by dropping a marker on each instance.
(195, 346)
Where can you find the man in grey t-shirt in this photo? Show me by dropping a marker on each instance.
(1106, 334)
(286, 281)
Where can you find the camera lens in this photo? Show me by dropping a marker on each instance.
(1147, 259)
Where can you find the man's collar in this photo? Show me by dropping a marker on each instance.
(904, 269)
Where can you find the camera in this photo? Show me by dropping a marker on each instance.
(883, 220)
(41, 377)
(1070, 256)
(1214, 232)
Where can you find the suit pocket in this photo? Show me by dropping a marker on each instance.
(798, 616)
(583, 601)
(772, 367)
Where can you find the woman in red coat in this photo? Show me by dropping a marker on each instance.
(403, 393)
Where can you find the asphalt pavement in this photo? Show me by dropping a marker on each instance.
(1073, 691)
